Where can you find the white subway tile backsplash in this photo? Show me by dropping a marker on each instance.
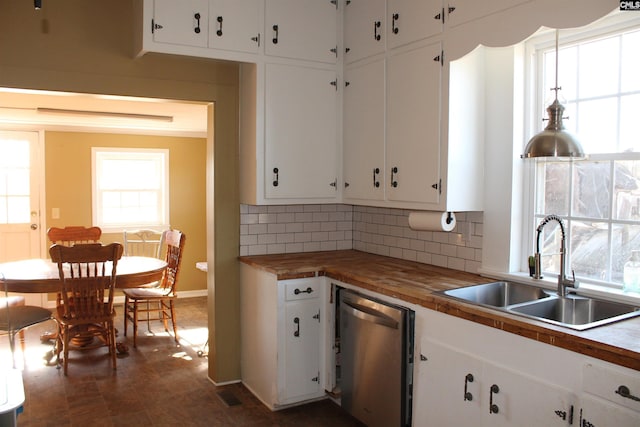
(383, 231)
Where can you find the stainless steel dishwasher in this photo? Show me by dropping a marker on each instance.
(376, 346)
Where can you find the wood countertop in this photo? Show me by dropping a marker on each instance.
(416, 283)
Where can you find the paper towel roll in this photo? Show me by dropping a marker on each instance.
(432, 221)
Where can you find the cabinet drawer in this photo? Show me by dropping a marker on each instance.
(300, 289)
(613, 385)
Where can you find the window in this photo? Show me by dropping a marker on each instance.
(15, 181)
(130, 188)
(598, 198)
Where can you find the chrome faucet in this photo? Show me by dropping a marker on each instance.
(563, 281)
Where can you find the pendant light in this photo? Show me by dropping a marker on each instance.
(554, 141)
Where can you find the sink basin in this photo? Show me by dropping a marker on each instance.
(498, 294)
(577, 312)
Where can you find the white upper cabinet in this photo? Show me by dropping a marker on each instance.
(463, 11)
(363, 131)
(412, 20)
(413, 125)
(225, 29)
(234, 25)
(301, 29)
(300, 133)
(181, 22)
(364, 28)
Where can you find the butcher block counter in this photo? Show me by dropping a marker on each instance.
(416, 283)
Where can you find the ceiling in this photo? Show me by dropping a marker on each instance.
(61, 111)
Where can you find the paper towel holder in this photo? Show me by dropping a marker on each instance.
(449, 217)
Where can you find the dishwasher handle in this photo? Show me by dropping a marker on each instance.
(370, 315)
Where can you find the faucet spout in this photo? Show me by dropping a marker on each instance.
(563, 281)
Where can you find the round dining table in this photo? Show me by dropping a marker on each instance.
(41, 275)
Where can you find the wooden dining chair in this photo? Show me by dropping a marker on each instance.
(160, 298)
(147, 243)
(15, 317)
(69, 236)
(87, 273)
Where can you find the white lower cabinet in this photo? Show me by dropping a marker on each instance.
(282, 335)
(461, 389)
(299, 340)
(470, 374)
(610, 396)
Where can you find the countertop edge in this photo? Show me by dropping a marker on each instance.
(539, 331)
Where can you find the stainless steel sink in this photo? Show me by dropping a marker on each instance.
(530, 301)
(498, 294)
(577, 312)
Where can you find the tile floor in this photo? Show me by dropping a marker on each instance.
(157, 384)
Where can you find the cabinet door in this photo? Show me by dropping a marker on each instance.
(183, 22)
(513, 399)
(301, 29)
(300, 132)
(301, 372)
(595, 412)
(364, 132)
(413, 140)
(448, 387)
(412, 20)
(462, 11)
(364, 28)
(234, 25)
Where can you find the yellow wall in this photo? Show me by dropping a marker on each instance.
(87, 46)
(68, 166)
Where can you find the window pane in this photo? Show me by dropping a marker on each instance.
(591, 189)
(553, 192)
(629, 123)
(19, 210)
(14, 153)
(594, 78)
(630, 62)
(627, 190)
(625, 239)
(3, 210)
(597, 123)
(590, 249)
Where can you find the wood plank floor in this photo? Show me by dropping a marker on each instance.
(157, 384)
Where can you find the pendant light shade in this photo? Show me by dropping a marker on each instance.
(554, 141)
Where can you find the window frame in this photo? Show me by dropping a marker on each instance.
(535, 106)
(160, 155)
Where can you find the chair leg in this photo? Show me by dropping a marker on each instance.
(112, 342)
(65, 346)
(173, 321)
(22, 344)
(12, 346)
(126, 313)
(135, 323)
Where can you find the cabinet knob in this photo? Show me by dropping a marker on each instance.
(624, 391)
(493, 408)
(394, 19)
(467, 394)
(219, 32)
(197, 28)
(394, 171)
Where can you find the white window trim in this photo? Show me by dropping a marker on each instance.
(96, 203)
